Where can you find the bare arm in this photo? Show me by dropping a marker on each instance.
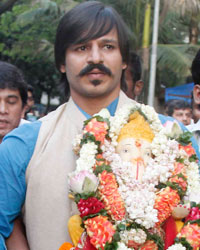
(17, 239)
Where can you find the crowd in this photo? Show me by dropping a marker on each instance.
(96, 69)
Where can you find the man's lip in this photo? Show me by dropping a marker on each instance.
(97, 72)
(3, 123)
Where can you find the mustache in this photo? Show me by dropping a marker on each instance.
(90, 67)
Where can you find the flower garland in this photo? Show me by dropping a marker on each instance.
(117, 210)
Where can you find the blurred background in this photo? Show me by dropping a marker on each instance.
(27, 33)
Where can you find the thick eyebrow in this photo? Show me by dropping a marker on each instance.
(12, 96)
(109, 41)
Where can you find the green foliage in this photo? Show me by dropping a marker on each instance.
(100, 169)
(83, 196)
(184, 242)
(27, 35)
(185, 138)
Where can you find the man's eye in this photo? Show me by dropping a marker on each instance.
(81, 48)
(11, 101)
(108, 46)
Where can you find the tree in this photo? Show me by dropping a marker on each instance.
(27, 35)
(6, 5)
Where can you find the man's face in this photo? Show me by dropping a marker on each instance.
(103, 81)
(30, 100)
(11, 110)
(134, 89)
(183, 115)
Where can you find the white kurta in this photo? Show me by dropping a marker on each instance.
(47, 206)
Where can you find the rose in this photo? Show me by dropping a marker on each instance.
(194, 214)
(83, 182)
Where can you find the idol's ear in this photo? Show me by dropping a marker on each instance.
(196, 94)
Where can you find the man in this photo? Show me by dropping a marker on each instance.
(195, 69)
(179, 110)
(13, 97)
(133, 77)
(91, 52)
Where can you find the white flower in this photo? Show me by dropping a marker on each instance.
(87, 157)
(122, 246)
(103, 113)
(176, 247)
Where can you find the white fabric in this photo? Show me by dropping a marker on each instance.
(195, 130)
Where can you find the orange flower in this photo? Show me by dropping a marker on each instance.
(100, 231)
(98, 129)
(180, 181)
(178, 168)
(110, 196)
(149, 245)
(192, 234)
(66, 246)
(188, 149)
(165, 201)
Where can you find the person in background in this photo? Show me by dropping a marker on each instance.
(133, 75)
(13, 98)
(195, 69)
(180, 110)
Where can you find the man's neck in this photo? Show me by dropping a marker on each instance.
(93, 105)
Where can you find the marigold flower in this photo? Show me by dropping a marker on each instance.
(188, 149)
(165, 201)
(66, 246)
(180, 181)
(110, 196)
(98, 129)
(89, 206)
(149, 245)
(192, 234)
(100, 231)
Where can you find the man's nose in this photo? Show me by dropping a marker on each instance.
(95, 55)
(3, 108)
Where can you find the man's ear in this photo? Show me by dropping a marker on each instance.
(138, 87)
(24, 111)
(196, 94)
(62, 68)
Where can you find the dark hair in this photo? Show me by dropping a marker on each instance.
(173, 104)
(30, 88)
(12, 78)
(87, 21)
(196, 68)
(135, 66)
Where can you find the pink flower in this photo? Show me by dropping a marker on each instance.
(83, 182)
(194, 214)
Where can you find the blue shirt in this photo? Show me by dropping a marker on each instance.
(15, 153)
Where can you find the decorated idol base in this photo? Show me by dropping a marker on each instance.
(136, 184)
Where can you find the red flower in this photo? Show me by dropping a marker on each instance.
(194, 214)
(89, 206)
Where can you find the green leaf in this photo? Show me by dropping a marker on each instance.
(184, 242)
(185, 138)
(100, 169)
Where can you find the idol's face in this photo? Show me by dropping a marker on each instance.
(85, 77)
(131, 150)
(11, 110)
